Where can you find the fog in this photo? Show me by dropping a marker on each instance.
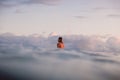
(84, 57)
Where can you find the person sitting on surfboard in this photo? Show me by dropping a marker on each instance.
(60, 43)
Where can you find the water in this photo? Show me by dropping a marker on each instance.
(84, 58)
(58, 64)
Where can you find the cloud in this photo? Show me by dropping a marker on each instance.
(73, 42)
(115, 3)
(98, 9)
(106, 5)
(9, 3)
(18, 10)
(114, 15)
(13, 3)
(36, 57)
(53, 34)
(43, 1)
(80, 17)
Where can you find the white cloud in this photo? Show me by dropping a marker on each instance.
(114, 15)
(13, 3)
(53, 34)
(73, 42)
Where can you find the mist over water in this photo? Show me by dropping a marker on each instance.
(37, 58)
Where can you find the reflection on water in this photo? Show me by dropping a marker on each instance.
(58, 64)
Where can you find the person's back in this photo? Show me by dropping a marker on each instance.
(60, 43)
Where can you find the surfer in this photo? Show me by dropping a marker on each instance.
(60, 43)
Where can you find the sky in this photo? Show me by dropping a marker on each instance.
(89, 17)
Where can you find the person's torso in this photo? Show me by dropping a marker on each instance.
(60, 45)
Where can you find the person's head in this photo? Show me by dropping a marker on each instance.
(60, 39)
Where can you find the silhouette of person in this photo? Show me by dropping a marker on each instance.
(60, 43)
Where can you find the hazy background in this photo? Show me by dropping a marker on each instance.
(24, 17)
(37, 58)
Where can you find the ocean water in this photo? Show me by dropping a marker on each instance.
(57, 64)
(26, 58)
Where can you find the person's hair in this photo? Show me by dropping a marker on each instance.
(60, 39)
